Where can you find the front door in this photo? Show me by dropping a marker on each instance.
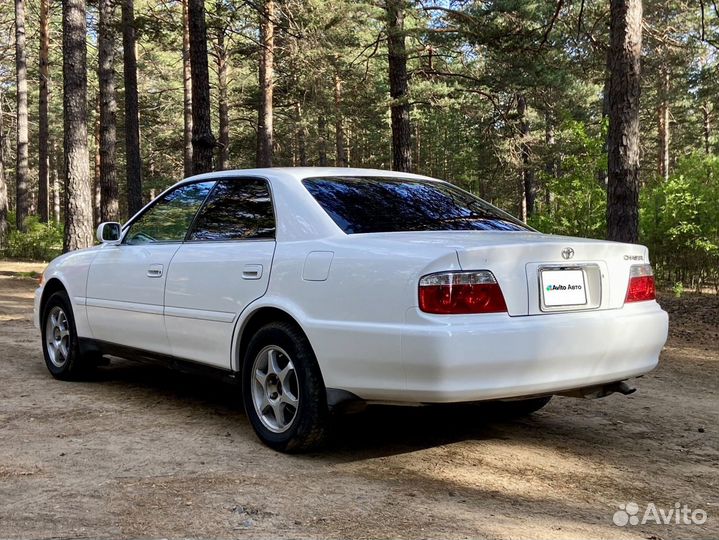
(126, 282)
(222, 267)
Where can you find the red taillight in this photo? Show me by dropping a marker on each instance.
(456, 293)
(641, 284)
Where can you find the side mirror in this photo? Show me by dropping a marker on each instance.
(109, 232)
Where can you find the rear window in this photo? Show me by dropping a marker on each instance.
(377, 204)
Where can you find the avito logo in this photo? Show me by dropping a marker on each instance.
(564, 287)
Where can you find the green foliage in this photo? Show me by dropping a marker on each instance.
(680, 222)
(678, 289)
(578, 201)
(679, 218)
(41, 242)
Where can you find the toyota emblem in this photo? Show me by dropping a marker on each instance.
(567, 253)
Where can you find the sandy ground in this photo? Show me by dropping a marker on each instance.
(144, 452)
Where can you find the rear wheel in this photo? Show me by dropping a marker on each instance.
(282, 389)
(60, 345)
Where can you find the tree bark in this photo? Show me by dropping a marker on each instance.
(3, 181)
(602, 173)
(133, 171)
(223, 106)
(78, 196)
(399, 87)
(55, 181)
(109, 204)
(322, 136)
(187, 89)
(341, 155)
(527, 183)
(266, 80)
(22, 194)
(301, 135)
(43, 201)
(550, 166)
(203, 141)
(96, 189)
(663, 133)
(623, 139)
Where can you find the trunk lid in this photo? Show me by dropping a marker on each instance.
(517, 260)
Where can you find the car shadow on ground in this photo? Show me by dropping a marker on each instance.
(377, 431)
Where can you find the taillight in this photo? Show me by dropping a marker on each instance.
(641, 283)
(455, 293)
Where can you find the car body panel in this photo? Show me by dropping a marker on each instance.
(194, 306)
(126, 292)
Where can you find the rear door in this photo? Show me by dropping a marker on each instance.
(222, 267)
(126, 282)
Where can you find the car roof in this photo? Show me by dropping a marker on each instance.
(300, 173)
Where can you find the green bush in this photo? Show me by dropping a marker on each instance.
(679, 218)
(680, 223)
(41, 242)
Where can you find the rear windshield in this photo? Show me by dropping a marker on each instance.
(376, 204)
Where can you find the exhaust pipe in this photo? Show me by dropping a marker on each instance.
(595, 392)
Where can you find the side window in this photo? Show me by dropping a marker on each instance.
(170, 217)
(236, 210)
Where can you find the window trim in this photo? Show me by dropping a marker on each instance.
(268, 184)
(155, 202)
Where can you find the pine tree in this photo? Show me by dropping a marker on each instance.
(78, 199)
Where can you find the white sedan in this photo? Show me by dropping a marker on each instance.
(320, 287)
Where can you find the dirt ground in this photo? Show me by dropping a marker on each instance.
(142, 452)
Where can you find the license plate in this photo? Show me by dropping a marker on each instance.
(563, 288)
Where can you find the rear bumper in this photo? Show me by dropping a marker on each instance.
(460, 358)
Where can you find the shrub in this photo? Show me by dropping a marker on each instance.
(41, 242)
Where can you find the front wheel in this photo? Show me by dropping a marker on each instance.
(282, 389)
(60, 345)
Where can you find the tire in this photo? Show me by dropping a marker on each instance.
(60, 345)
(520, 407)
(283, 391)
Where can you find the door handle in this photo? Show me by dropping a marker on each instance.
(252, 271)
(154, 271)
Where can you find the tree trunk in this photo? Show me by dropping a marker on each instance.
(706, 122)
(43, 129)
(22, 193)
(550, 166)
(602, 175)
(322, 136)
(663, 133)
(623, 139)
(132, 110)
(109, 204)
(78, 196)
(398, 87)
(266, 80)
(3, 181)
(203, 141)
(341, 155)
(301, 135)
(187, 89)
(223, 106)
(527, 183)
(55, 177)
(96, 188)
